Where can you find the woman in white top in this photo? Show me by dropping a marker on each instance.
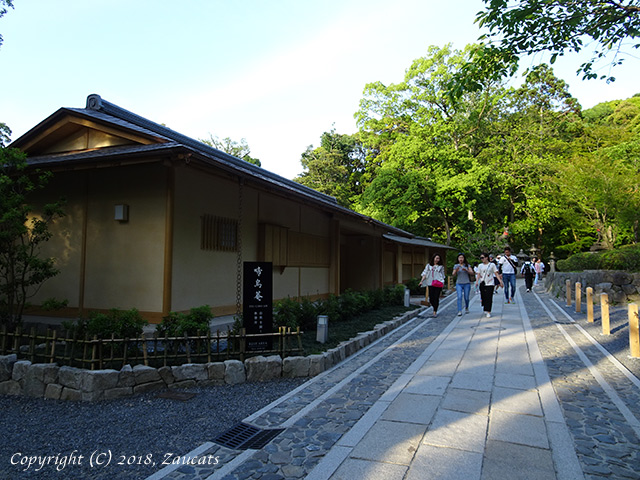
(433, 277)
(487, 271)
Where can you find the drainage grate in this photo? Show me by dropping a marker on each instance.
(244, 436)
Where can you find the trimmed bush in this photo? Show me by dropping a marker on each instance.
(178, 324)
(624, 258)
(119, 323)
(303, 314)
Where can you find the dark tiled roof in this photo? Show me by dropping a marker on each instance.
(97, 104)
(102, 153)
(105, 112)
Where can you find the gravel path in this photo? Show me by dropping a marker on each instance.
(141, 429)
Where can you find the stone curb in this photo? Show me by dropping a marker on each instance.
(50, 381)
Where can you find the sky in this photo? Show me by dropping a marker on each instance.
(277, 73)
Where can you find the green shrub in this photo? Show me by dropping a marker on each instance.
(330, 307)
(193, 323)
(414, 287)
(119, 323)
(623, 258)
(304, 314)
(579, 262)
(286, 313)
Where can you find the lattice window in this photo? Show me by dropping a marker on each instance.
(218, 233)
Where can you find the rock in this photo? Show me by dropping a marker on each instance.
(118, 392)
(145, 374)
(234, 372)
(53, 391)
(20, 369)
(94, 381)
(70, 394)
(183, 384)
(316, 364)
(260, 369)
(10, 387)
(126, 377)
(70, 377)
(293, 367)
(190, 371)
(166, 375)
(6, 366)
(44, 372)
(148, 387)
(216, 372)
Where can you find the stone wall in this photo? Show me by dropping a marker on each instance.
(48, 380)
(622, 287)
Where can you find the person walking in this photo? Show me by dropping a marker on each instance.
(493, 260)
(508, 265)
(433, 279)
(539, 267)
(528, 271)
(487, 273)
(462, 272)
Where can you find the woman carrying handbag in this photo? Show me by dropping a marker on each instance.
(487, 272)
(433, 278)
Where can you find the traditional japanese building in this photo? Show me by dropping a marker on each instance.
(162, 222)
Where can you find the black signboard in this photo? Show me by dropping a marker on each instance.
(257, 308)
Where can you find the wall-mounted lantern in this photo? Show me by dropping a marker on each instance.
(121, 213)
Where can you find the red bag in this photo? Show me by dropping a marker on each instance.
(437, 283)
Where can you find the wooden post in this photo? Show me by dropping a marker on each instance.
(578, 297)
(568, 284)
(426, 297)
(634, 330)
(590, 304)
(54, 338)
(604, 312)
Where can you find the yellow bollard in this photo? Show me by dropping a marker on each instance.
(578, 297)
(604, 312)
(568, 284)
(590, 304)
(634, 330)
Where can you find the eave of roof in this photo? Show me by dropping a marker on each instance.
(107, 113)
(418, 241)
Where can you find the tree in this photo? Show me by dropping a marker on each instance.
(336, 167)
(3, 10)
(237, 149)
(562, 26)
(22, 233)
(422, 145)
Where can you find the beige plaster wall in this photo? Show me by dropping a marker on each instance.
(205, 277)
(124, 260)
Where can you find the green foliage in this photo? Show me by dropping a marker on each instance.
(52, 304)
(559, 27)
(335, 168)
(3, 9)
(342, 308)
(178, 324)
(23, 230)
(237, 149)
(119, 323)
(414, 287)
(624, 258)
(491, 165)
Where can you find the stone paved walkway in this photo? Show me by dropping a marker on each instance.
(523, 394)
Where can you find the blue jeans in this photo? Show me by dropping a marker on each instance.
(460, 289)
(509, 279)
